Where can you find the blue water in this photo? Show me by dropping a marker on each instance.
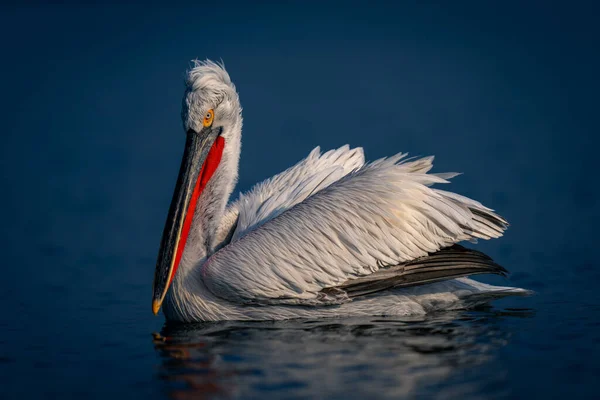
(91, 140)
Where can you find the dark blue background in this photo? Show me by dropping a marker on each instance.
(91, 138)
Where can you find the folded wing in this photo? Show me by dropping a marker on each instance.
(279, 193)
(379, 216)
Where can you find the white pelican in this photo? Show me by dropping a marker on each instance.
(332, 236)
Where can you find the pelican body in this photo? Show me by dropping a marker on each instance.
(332, 236)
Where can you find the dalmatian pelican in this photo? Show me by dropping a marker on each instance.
(332, 236)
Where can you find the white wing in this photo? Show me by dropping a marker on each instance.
(380, 215)
(273, 196)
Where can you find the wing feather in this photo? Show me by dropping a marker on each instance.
(273, 196)
(382, 214)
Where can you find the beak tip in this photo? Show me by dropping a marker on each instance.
(155, 307)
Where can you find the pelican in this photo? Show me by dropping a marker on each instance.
(332, 236)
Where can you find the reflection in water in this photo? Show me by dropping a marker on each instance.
(335, 358)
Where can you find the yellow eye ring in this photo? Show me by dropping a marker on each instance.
(208, 118)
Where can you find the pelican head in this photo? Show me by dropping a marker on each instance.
(211, 115)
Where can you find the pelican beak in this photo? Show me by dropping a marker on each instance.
(201, 158)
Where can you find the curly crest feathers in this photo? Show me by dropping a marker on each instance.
(207, 74)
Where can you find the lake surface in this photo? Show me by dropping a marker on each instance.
(91, 142)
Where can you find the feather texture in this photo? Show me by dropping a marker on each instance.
(382, 214)
(272, 197)
(451, 262)
(268, 199)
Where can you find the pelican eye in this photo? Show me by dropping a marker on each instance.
(208, 118)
